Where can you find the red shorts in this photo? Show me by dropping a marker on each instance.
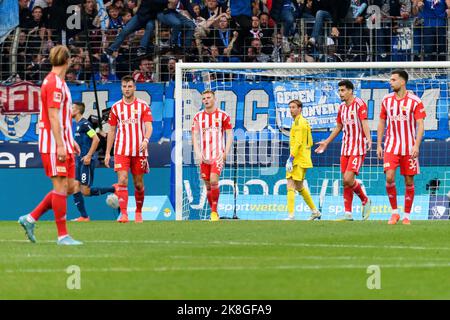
(138, 164)
(408, 166)
(55, 168)
(352, 163)
(207, 168)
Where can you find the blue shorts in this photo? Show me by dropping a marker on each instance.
(84, 173)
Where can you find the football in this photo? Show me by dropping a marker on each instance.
(112, 201)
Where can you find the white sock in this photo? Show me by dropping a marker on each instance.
(30, 219)
(348, 214)
(406, 215)
(394, 211)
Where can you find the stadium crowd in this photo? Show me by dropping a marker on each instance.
(147, 37)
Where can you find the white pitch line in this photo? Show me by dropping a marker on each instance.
(291, 257)
(244, 243)
(235, 268)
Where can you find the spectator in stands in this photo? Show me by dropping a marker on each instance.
(277, 45)
(256, 31)
(330, 54)
(260, 56)
(390, 10)
(104, 75)
(36, 30)
(126, 15)
(145, 72)
(169, 73)
(251, 55)
(132, 5)
(180, 20)
(223, 38)
(286, 11)
(37, 20)
(211, 9)
(115, 20)
(38, 3)
(197, 11)
(242, 12)
(434, 16)
(145, 17)
(119, 4)
(24, 14)
(78, 68)
(330, 10)
(71, 77)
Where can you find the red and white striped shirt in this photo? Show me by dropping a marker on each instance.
(55, 94)
(212, 127)
(353, 140)
(129, 118)
(401, 116)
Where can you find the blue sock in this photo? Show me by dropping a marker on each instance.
(100, 191)
(79, 202)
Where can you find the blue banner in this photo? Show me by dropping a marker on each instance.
(320, 101)
(9, 11)
(251, 105)
(257, 207)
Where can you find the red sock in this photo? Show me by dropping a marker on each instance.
(122, 193)
(44, 206)
(392, 194)
(359, 192)
(59, 205)
(214, 196)
(348, 199)
(409, 198)
(139, 196)
(208, 195)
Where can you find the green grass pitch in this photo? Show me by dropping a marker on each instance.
(229, 260)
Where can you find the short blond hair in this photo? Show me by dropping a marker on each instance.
(59, 55)
(208, 91)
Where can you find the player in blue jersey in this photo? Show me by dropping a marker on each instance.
(87, 139)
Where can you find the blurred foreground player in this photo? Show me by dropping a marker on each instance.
(132, 118)
(403, 111)
(56, 146)
(85, 162)
(208, 128)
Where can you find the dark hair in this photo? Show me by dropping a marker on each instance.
(297, 102)
(37, 7)
(346, 83)
(125, 11)
(402, 74)
(80, 106)
(128, 78)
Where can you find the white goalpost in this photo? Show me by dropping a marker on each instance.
(255, 95)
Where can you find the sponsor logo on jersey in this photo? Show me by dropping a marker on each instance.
(129, 121)
(400, 117)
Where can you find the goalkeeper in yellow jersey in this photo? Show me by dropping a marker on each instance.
(300, 142)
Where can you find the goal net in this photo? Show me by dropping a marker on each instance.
(256, 96)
